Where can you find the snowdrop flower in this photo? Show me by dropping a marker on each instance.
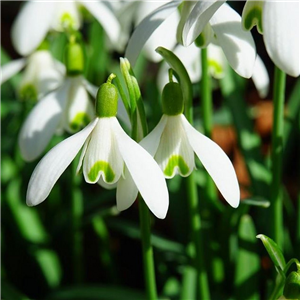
(108, 155)
(42, 74)
(37, 18)
(213, 20)
(68, 107)
(279, 24)
(174, 141)
(217, 64)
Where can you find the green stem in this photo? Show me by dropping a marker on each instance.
(149, 270)
(207, 108)
(276, 158)
(77, 212)
(195, 221)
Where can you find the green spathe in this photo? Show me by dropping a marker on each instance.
(103, 166)
(74, 59)
(172, 99)
(292, 286)
(176, 161)
(107, 101)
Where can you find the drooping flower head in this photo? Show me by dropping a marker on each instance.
(109, 156)
(174, 141)
(279, 23)
(66, 108)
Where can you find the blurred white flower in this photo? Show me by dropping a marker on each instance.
(68, 107)
(37, 18)
(213, 20)
(108, 156)
(280, 25)
(41, 75)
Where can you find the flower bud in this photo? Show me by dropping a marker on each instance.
(107, 100)
(292, 286)
(74, 59)
(172, 99)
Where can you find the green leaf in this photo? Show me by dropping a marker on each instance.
(248, 261)
(260, 202)
(273, 251)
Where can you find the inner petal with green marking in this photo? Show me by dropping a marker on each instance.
(176, 164)
(104, 168)
(252, 15)
(79, 121)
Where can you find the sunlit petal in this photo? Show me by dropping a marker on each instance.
(10, 69)
(126, 191)
(216, 162)
(103, 157)
(50, 168)
(105, 17)
(237, 44)
(145, 29)
(198, 17)
(152, 140)
(145, 173)
(281, 28)
(32, 25)
(261, 78)
(41, 124)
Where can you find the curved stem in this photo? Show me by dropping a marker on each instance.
(276, 157)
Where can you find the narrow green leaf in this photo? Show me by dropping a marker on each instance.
(260, 202)
(248, 261)
(183, 76)
(273, 251)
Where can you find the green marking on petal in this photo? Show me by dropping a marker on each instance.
(176, 161)
(217, 69)
(67, 21)
(105, 168)
(254, 17)
(80, 121)
(28, 92)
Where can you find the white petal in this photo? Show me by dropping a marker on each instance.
(145, 29)
(260, 77)
(145, 173)
(152, 140)
(92, 89)
(174, 154)
(237, 44)
(106, 18)
(216, 162)
(10, 69)
(50, 168)
(41, 124)
(107, 186)
(281, 28)
(82, 155)
(103, 157)
(126, 191)
(199, 16)
(216, 61)
(80, 110)
(32, 25)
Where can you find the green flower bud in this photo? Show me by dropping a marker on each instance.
(107, 100)
(172, 99)
(74, 59)
(292, 286)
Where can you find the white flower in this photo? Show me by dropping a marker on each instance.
(68, 107)
(173, 143)
(215, 21)
(37, 18)
(109, 155)
(217, 63)
(279, 24)
(42, 73)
